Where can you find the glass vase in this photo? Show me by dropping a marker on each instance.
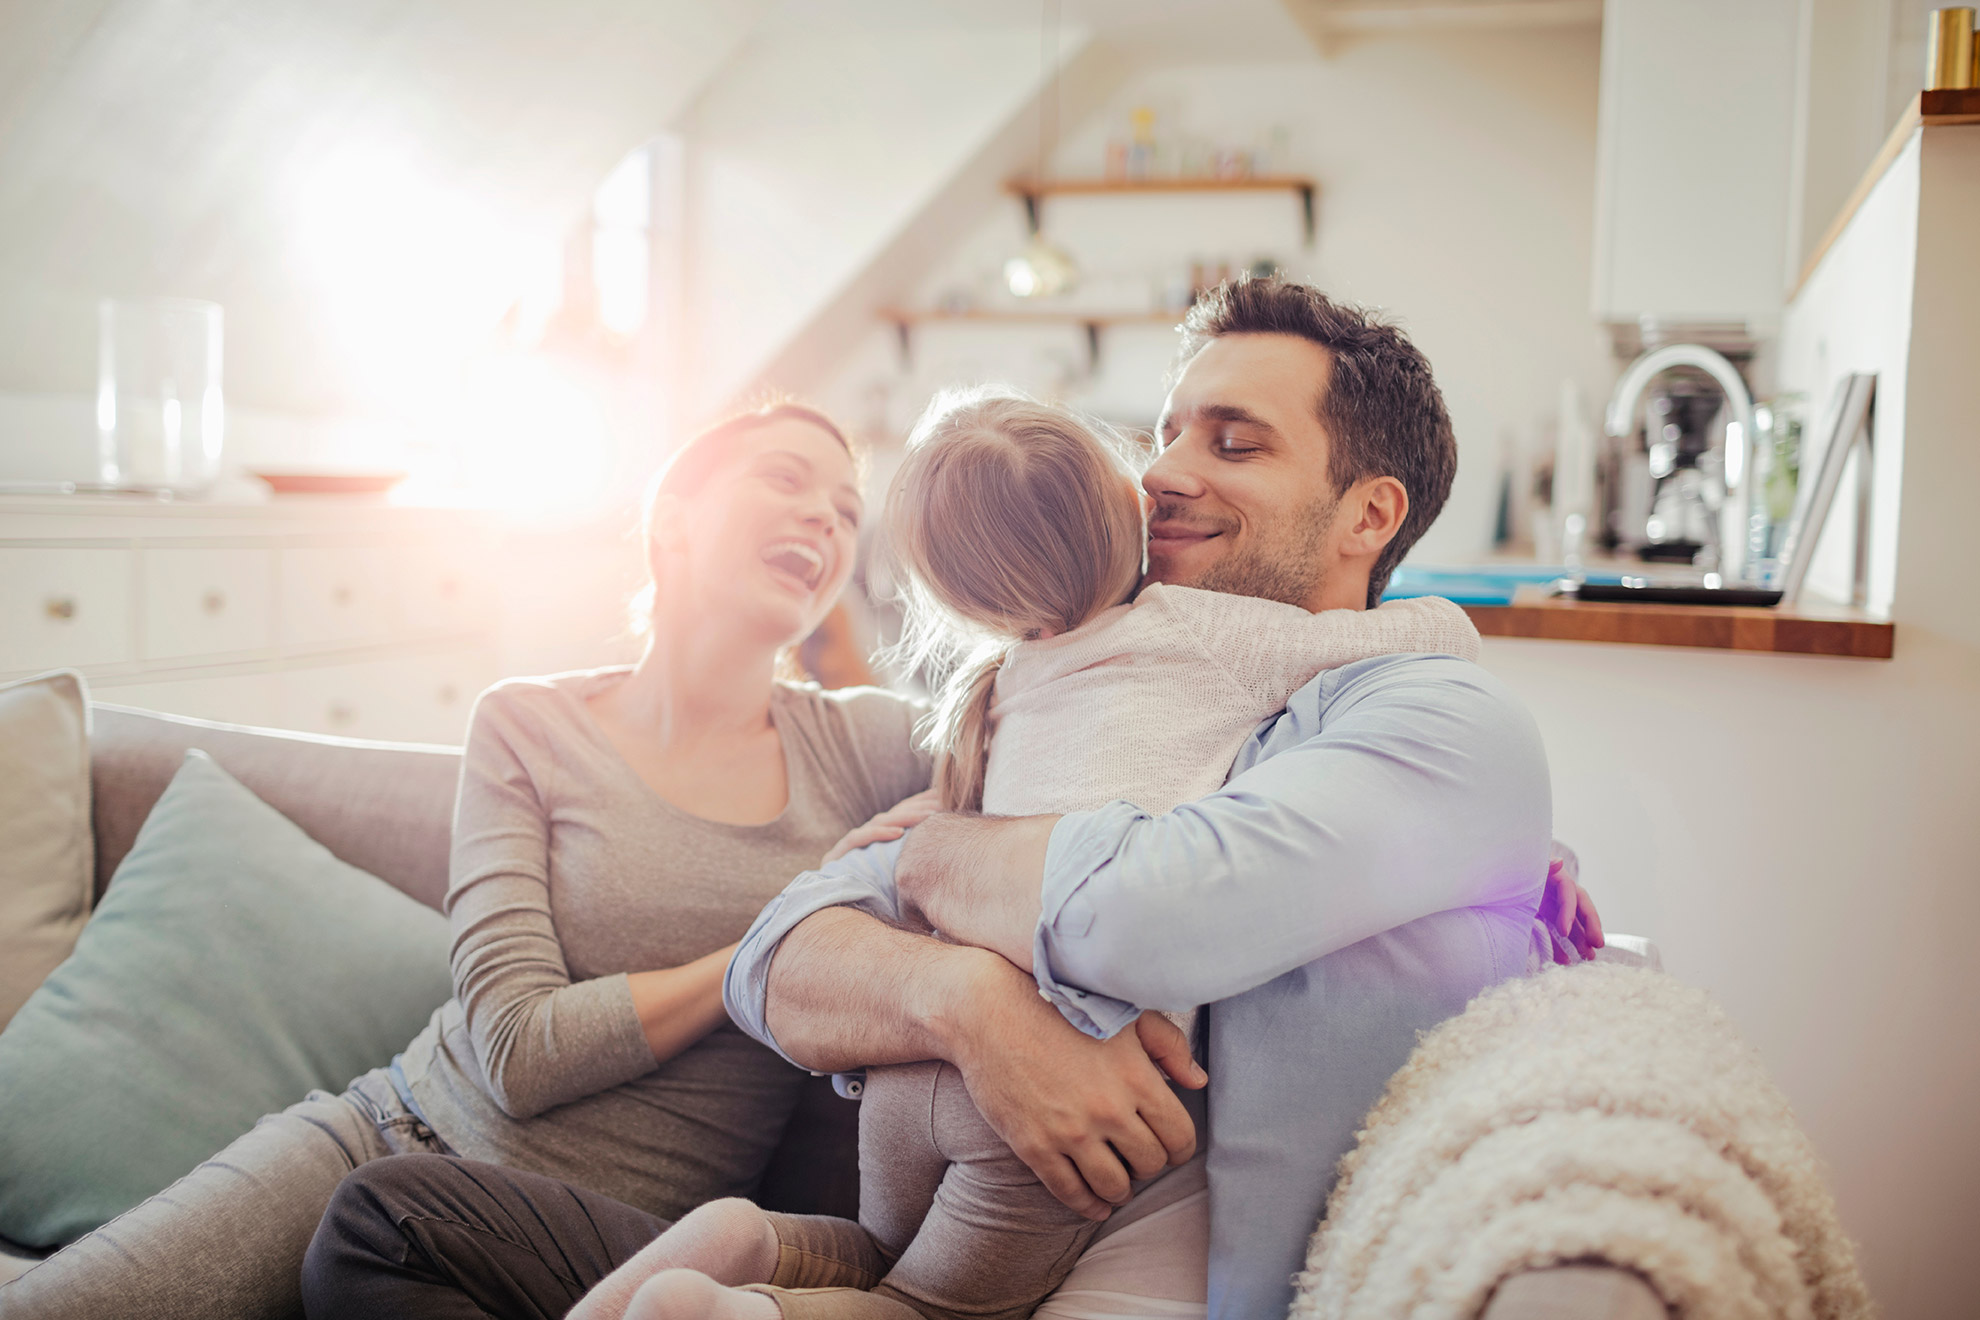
(160, 421)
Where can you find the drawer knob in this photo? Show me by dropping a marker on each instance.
(60, 607)
(340, 594)
(341, 714)
(449, 694)
(213, 602)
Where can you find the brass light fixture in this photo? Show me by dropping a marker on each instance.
(1044, 269)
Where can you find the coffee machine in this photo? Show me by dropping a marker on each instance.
(1676, 475)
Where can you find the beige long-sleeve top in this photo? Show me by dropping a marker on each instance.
(1150, 702)
(569, 873)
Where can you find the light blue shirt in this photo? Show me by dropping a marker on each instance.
(1374, 861)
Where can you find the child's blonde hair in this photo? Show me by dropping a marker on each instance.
(1013, 520)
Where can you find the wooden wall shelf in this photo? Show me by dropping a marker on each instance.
(906, 319)
(1029, 316)
(1033, 191)
(1806, 631)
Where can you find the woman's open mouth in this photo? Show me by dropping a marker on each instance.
(797, 562)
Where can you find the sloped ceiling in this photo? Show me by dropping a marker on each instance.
(214, 148)
(856, 140)
(175, 147)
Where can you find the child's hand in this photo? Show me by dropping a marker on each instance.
(888, 825)
(1567, 910)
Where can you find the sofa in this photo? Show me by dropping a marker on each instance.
(387, 809)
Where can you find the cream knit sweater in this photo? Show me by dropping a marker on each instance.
(1150, 702)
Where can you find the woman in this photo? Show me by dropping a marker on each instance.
(615, 833)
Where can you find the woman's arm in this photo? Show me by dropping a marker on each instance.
(541, 1038)
(680, 1005)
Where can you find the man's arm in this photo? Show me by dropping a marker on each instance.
(977, 879)
(1386, 793)
(825, 978)
(847, 991)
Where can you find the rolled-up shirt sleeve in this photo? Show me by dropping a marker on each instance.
(862, 880)
(1389, 790)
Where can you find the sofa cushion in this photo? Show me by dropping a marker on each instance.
(386, 808)
(232, 966)
(46, 848)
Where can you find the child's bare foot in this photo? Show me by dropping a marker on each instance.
(690, 1295)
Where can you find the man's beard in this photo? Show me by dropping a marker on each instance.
(1289, 568)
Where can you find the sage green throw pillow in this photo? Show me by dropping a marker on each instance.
(232, 966)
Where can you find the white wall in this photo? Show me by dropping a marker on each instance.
(196, 147)
(1457, 182)
(1800, 834)
(1855, 314)
(1799, 837)
(365, 187)
(809, 155)
(1841, 118)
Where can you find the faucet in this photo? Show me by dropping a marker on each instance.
(1734, 531)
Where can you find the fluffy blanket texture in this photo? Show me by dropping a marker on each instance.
(1595, 1111)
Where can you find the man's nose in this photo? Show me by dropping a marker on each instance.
(1172, 474)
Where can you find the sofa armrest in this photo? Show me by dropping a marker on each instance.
(1591, 1291)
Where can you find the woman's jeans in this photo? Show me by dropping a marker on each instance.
(440, 1238)
(228, 1238)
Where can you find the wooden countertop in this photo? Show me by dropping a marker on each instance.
(1810, 630)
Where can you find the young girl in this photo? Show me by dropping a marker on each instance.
(1021, 532)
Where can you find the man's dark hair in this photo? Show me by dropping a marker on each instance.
(1382, 409)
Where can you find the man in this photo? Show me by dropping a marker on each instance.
(1374, 861)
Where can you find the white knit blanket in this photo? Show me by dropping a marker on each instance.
(1595, 1111)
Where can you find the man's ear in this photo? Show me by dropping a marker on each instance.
(1374, 510)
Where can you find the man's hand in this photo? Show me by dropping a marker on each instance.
(1566, 907)
(977, 879)
(1086, 1115)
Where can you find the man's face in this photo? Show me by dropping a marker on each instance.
(1242, 500)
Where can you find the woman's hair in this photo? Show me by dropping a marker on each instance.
(1013, 520)
(687, 471)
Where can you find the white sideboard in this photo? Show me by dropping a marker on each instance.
(321, 615)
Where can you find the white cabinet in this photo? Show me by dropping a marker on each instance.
(335, 595)
(440, 590)
(1695, 147)
(63, 607)
(363, 620)
(206, 602)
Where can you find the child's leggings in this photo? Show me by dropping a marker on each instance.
(951, 1223)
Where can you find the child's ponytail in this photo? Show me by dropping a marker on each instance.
(961, 732)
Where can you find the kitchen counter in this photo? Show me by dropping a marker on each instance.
(1805, 630)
